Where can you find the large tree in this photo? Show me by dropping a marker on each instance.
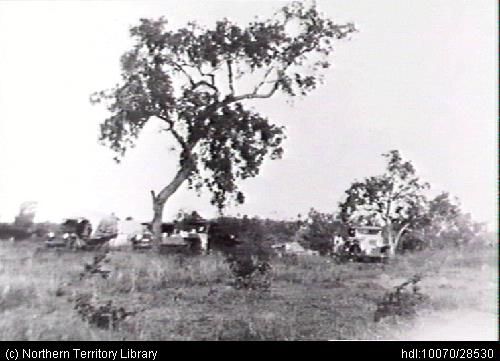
(393, 200)
(198, 81)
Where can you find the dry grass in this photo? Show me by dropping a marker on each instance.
(191, 298)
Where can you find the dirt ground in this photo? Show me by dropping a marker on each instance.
(457, 325)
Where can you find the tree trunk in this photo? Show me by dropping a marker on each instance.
(393, 240)
(398, 236)
(157, 219)
(390, 238)
(162, 197)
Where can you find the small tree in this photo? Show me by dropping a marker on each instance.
(319, 231)
(394, 200)
(186, 219)
(446, 224)
(198, 82)
(25, 219)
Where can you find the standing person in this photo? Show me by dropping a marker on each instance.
(337, 243)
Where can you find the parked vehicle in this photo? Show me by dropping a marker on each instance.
(144, 239)
(366, 243)
(185, 237)
(72, 233)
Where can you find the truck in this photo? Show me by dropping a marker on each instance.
(72, 233)
(366, 243)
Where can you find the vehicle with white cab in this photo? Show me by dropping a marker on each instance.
(143, 239)
(367, 243)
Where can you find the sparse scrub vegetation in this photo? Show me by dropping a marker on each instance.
(402, 301)
(148, 296)
(250, 273)
(100, 314)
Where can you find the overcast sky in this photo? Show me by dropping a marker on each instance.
(420, 76)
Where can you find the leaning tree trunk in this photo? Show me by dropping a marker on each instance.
(399, 234)
(393, 239)
(157, 218)
(162, 197)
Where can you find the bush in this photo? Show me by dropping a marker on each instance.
(318, 232)
(8, 231)
(100, 314)
(401, 301)
(250, 268)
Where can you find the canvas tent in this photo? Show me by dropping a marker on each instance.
(108, 227)
(294, 247)
(125, 231)
(130, 228)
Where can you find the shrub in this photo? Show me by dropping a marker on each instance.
(319, 230)
(95, 267)
(250, 272)
(102, 315)
(401, 301)
(7, 231)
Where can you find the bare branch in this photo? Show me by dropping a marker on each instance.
(257, 96)
(257, 88)
(195, 84)
(205, 83)
(182, 70)
(176, 134)
(270, 93)
(210, 75)
(230, 75)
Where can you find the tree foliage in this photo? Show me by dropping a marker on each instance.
(397, 201)
(197, 80)
(319, 230)
(396, 196)
(393, 200)
(446, 224)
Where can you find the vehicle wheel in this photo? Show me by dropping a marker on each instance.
(355, 250)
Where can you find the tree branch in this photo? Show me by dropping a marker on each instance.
(400, 233)
(182, 70)
(255, 95)
(230, 76)
(176, 134)
(204, 82)
(257, 88)
(401, 191)
(210, 75)
(390, 199)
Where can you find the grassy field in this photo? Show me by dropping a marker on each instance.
(171, 297)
